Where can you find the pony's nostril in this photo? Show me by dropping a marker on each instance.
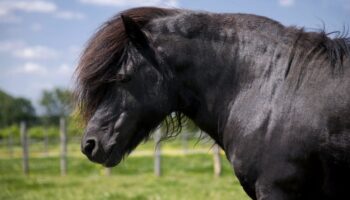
(89, 147)
(92, 149)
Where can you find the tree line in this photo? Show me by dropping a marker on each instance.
(13, 110)
(55, 103)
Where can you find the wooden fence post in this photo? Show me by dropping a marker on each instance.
(63, 138)
(46, 141)
(217, 160)
(185, 142)
(24, 141)
(108, 171)
(10, 144)
(157, 153)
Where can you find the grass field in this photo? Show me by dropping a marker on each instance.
(184, 177)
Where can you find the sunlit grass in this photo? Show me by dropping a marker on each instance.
(184, 177)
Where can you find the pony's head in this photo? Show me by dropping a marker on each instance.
(123, 90)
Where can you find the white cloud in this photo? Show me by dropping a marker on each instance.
(286, 3)
(9, 19)
(19, 49)
(31, 68)
(36, 27)
(75, 52)
(162, 3)
(8, 7)
(75, 49)
(35, 69)
(35, 53)
(69, 15)
(65, 70)
(10, 45)
(3, 11)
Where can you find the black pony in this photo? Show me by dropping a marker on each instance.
(275, 98)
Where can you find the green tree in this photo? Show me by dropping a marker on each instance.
(23, 110)
(57, 103)
(13, 110)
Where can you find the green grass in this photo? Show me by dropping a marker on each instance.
(184, 177)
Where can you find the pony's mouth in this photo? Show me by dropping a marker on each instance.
(113, 159)
(114, 156)
(118, 151)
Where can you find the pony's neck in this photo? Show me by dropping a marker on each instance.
(208, 65)
(217, 59)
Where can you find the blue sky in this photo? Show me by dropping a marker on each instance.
(40, 40)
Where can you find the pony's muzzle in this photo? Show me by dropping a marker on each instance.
(92, 150)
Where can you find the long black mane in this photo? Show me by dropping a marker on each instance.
(335, 48)
(103, 56)
(339, 47)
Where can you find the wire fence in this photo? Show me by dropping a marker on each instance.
(62, 146)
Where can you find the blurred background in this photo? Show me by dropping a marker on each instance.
(40, 43)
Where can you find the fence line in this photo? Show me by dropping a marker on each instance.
(63, 141)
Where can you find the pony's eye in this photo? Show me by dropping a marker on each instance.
(122, 78)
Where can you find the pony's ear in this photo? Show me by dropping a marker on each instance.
(139, 40)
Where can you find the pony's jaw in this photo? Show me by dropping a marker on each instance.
(114, 158)
(107, 147)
